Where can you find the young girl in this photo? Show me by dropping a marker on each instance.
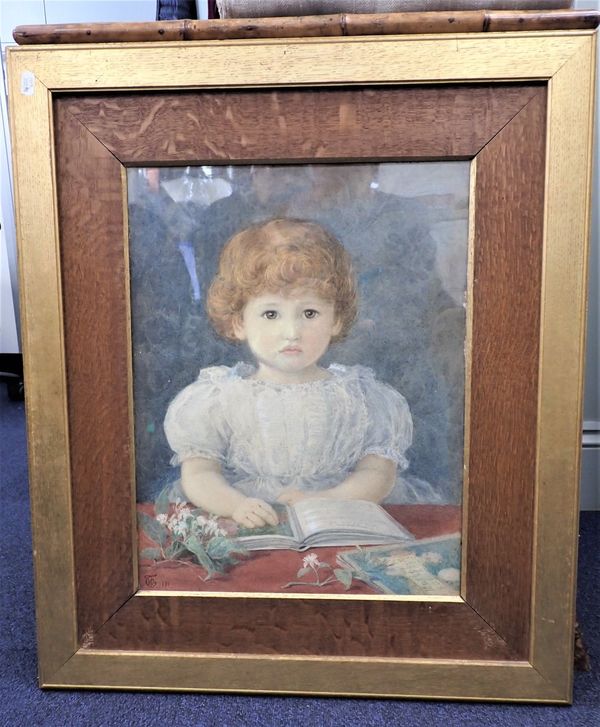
(286, 428)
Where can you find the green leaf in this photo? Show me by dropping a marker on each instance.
(176, 549)
(151, 554)
(303, 572)
(218, 548)
(221, 548)
(153, 529)
(161, 505)
(237, 547)
(197, 549)
(344, 576)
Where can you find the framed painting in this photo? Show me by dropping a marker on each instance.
(404, 228)
(303, 325)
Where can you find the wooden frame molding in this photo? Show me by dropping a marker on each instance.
(508, 142)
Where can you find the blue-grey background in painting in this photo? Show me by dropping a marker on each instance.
(406, 226)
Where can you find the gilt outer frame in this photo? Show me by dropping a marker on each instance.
(562, 64)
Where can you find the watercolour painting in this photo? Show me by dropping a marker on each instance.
(372, 406)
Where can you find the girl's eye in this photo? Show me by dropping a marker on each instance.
(270, 315)
(311, 313)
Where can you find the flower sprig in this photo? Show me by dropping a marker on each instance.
(322, 574)
(188, 536)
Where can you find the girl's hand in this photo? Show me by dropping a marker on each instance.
(254, 513)
(289, 497)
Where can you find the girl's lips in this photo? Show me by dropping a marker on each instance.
(291, 349)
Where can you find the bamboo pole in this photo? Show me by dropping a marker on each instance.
(341, 24)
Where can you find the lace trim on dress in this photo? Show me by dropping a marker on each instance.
(243, 370)
(388, 453)
(191, 452)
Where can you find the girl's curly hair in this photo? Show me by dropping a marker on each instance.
(281, 254)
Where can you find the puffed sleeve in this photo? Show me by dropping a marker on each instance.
(389, 429)
(195, 424)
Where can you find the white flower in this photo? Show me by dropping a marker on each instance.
(211, 528)
(162, 519)
(180, 528)
(311, 561)
(184, 512)
(173, 522)
(201, 520)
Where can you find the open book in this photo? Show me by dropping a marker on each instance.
(323, 522)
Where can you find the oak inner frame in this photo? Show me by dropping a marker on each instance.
(503, 127)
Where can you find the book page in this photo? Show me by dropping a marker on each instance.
(323, 515)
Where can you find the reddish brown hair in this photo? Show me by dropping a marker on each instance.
(276, 255)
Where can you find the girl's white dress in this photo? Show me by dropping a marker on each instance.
(307, 436)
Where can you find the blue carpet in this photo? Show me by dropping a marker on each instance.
(24, 704)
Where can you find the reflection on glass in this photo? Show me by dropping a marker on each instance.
(370, 407)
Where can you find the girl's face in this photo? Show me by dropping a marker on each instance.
(288, 333)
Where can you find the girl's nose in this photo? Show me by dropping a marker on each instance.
(291, 329)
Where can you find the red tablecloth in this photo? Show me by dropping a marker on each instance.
(267, 571)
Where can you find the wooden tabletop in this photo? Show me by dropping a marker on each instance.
(266, 571)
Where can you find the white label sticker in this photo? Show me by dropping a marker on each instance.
(27, 83)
